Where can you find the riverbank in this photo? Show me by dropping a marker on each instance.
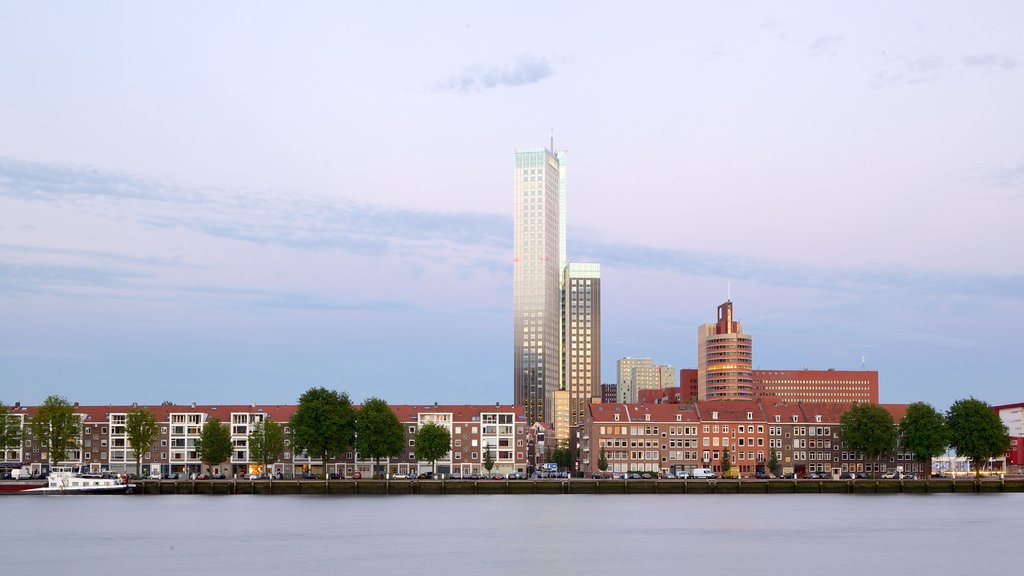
(580, 486)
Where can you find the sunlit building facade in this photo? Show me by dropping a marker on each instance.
(724, 359)
(539, 258)
(582, 338)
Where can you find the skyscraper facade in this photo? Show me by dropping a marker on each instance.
(582, 338)
(539, 256)
(724, 359)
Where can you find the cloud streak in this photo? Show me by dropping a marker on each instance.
(469, 241)
(522, 71)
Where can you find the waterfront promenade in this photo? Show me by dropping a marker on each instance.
(577, 486)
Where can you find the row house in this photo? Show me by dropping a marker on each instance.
(669, 438)
(806, 439)
(640, 437)
(103, 446)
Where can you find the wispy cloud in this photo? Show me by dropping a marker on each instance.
(526, 69)
(473, 242)
(1012, 178)
(824, 46)
(900, 69)
(299, 222)
(994, 61)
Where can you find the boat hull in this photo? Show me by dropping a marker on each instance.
(15, 486)
(121, 489)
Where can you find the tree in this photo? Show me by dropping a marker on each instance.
(55, 428)
(266, 442)
(924, 431)
(868, 429)
(773, 462)
(559, 456)
(323, 424)
(602, 461)
(214, 443)
(726, 462)
(976, 431)
(433, 441)
(379, 433)
(10, 431)
(488, 458)
(142, 430)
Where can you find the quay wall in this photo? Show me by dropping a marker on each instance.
(576, 486)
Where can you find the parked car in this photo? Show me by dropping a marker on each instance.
(203, 477)
(309, 476)
(761, 475)
(426, 476)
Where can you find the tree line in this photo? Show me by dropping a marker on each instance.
(325, 425)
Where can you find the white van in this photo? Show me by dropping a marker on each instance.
(702, 473)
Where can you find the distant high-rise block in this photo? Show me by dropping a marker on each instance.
(724, 359)
(609, 393)
(539, 258)
(582, 338)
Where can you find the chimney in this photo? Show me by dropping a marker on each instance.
(193, 404)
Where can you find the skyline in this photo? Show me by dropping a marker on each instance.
(233, 203)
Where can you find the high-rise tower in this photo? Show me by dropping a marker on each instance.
(537, 275)
(581, 338)
(724, 359)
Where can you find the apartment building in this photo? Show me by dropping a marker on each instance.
(103, 445)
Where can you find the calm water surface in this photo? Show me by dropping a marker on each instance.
(577, 534)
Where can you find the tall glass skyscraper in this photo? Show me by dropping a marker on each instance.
(539, 259)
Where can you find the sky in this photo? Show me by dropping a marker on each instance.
(227, 202)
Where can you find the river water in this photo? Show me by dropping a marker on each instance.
(798, 534)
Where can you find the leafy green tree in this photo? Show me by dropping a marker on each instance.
(55, 428)
(266, 443)
(214, 443)
(773, 462)
(924, 431)
(10, 430)
(560, 456)
(602, 461)
(726, 462)
(142, 430)
(976, 431)
(433, 441)
(379, 433)
(323, 424)
(868, 429)
(488, 458)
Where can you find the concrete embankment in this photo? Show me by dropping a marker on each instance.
(581, 486)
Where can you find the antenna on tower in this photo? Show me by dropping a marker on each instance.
(728, 291)
(552, 140)
(863, 366)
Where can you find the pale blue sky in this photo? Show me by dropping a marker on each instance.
(234, 201)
